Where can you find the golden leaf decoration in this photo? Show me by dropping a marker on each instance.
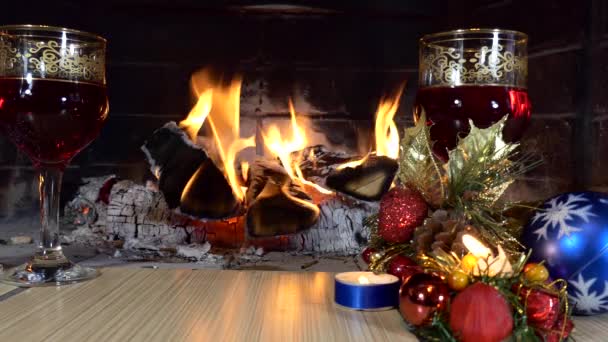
(419, 169)
(479, 167)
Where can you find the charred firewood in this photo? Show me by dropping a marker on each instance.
(173, 159)
(208, 194)
(277, 204)
(176, 161)
(368, 181)
(318, 162)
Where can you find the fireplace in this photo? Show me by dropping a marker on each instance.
(336, 62)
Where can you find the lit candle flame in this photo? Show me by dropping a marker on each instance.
(476, 247)
(363, 280)
(487, 263)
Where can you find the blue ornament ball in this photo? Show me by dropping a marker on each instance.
(570, 232)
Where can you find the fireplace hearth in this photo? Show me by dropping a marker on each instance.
(335, 62)
(297, 194)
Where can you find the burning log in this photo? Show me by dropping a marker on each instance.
(368, 180)
(317, 162)
(173, 159)
(187, 177)
(208, 194)
(282, 199)
(371, 177)
(277, 204)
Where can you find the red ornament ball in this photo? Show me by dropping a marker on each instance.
(367, 254)
(481, 313)
(555, 334)
(402, 267)
(420, 296)
(542, 308)
(401, 211)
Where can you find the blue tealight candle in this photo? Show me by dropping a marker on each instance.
(366, 291)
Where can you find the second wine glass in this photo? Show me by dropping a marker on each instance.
(476, 74)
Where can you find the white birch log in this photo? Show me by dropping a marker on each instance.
(339, 230)
(140, 212)
(137, 211)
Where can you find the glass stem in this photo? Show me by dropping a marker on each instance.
(49, 189)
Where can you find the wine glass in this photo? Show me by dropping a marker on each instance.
(53, 103)
(477, 74)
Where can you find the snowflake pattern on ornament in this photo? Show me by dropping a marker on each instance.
(559, 211)
(587, 301)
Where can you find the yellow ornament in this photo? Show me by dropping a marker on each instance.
(376, 256)
(536, 273)
(458, 280)
(468, 263)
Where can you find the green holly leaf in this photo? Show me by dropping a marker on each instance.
(479, 167)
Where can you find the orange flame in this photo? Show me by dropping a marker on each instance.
(219, 105)
(353, 164)
(386, 133)
(245, 170)
(283, 147)
(387, 136)
(196, 118)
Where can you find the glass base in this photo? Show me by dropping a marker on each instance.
(39, 272)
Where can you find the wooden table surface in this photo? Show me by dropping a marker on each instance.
(204, 305)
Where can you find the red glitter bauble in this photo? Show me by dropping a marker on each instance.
(401, 211)
(401, 266)
(481, 313)
(367, 254)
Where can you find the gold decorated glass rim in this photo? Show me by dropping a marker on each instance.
(455, 34)
(78, 34)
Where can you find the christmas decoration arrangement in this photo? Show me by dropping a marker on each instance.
(466, 272)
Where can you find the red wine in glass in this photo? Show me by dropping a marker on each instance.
(53, 103)
(448, 110)
(51, 120)
(472, 74)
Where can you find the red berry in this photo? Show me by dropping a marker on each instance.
(367, 254)
(402, 266)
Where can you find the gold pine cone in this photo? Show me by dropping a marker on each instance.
(441, 231)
